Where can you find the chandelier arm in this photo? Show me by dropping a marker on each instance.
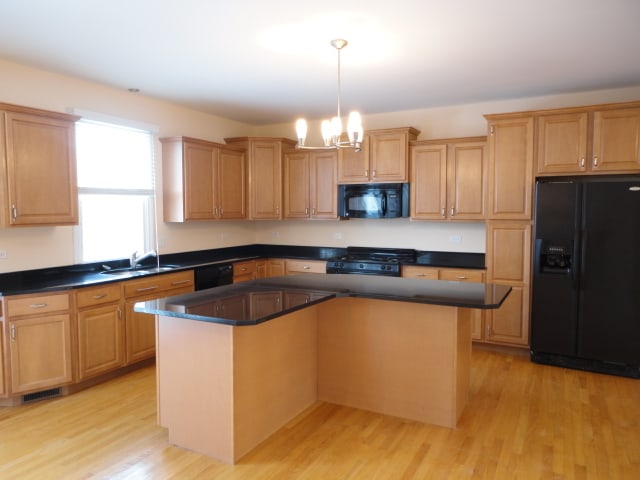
(339, 83)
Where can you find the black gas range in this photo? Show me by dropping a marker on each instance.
(371, 261)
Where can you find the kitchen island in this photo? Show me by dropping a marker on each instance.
(235, 363)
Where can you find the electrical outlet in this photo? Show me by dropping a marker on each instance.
(3, 254)
(455, 238)
(337, 235)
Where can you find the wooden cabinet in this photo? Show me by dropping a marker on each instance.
(384, 157)
(101, 331)
(275, 267)
(37, 167)
(310, 186)
(295, 267)
(39, 340)
(140, 337)
(261, 268)
(584, 140)
(509, 263)
(264, 159)
(448, 179)
(456, 275)
(510, 167)
(243, 271)
(202, 180)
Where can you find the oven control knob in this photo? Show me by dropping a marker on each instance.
(362, 265)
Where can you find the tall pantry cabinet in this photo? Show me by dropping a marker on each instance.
(509, 218)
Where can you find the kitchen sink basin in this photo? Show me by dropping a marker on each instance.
(134, 272)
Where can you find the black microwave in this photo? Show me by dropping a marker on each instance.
(373, 200)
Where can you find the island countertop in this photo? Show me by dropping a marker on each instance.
(273, 297)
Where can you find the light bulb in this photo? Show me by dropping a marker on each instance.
(325, 128)
(301, 130)
(354, 127)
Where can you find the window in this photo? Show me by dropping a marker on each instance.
(116, 191)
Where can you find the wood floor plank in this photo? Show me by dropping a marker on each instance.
(523, 421)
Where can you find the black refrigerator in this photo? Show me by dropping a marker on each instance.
(586, 274)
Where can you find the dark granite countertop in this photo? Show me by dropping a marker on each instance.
(291, 293)
(84, 275)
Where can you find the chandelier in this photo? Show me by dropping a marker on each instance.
(332, 129)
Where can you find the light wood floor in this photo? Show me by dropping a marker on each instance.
(524, 421)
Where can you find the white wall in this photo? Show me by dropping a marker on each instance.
(39, 247)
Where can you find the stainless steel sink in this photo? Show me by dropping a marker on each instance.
(134, 272)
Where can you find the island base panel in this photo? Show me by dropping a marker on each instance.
(409, 360)
(232, 387)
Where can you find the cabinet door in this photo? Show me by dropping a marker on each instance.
(468, 275)
(140, 333)
(41, 170)
(231, 184)
(243, 271)
(389, 157)
(199, 173)
(562, 143)
(466, 191)
(511, 168)
(40, 351)
(323, 190)
(261, 269)
(296, 185)
(265, 303)
(353, 167)
(616, 140)
(509, 324)
(509, 263)
(509, 252)
(428, 182)
(100, 340)
(265, 184)
(275, 267)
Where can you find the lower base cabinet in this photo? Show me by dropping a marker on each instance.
(452, 274)
(140, 328)
(39, 342)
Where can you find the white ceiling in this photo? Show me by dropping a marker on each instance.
(402, 54)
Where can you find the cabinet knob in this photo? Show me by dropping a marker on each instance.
(595, 161)
(582, 162)
(453, 211)
(366, 173)
(13, 333)
(444, 212)
(373, 174)
(14, 211)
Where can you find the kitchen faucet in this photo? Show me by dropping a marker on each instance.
(135, 260)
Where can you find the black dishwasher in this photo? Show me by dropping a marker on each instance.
(210, 276)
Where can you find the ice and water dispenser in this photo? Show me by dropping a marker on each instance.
(554, 257)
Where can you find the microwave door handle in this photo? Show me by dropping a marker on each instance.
(384, 205)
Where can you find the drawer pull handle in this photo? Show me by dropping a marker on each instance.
(39, 305)
(306, 267)
(146, 289)
(180, 282)
(99, 296)
(461, 277)
(13, 333)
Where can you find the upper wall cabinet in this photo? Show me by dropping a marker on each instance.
(202, 180)
(264, 157)
(448, 179)
(37, 167)
(510, 167)
(310, 189)
(577, 141)
(384, 157)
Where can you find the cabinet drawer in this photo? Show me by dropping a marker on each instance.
(88, 297)
(462, 275)
(423, 273)
(244, 268)
(158, 284)
(305, 266)
(39, 304)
